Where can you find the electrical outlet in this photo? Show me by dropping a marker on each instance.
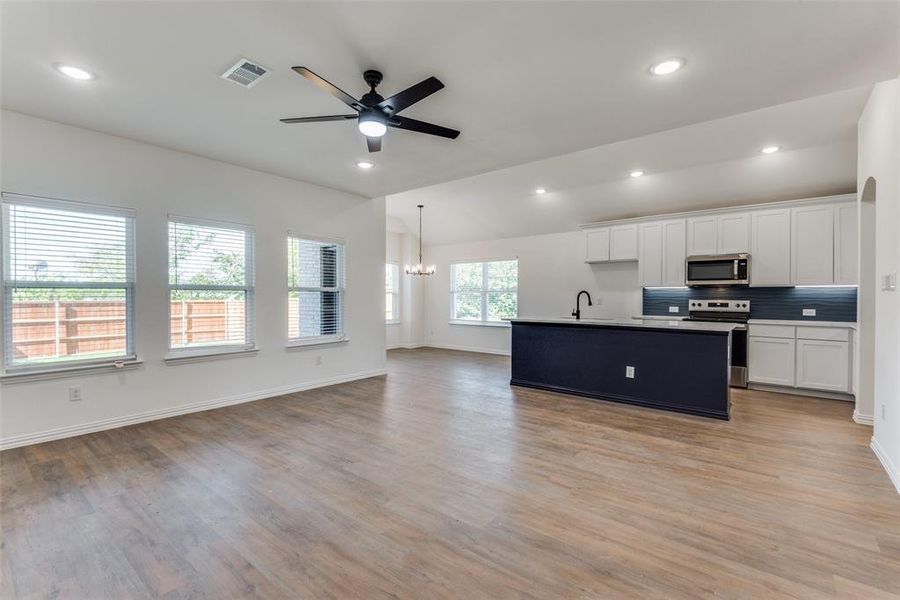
(809, 312)
(673, 309)
(318, 359)
(629, 372)
(75, 394)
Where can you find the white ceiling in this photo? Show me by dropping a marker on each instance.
(524, 80)
(711, 164)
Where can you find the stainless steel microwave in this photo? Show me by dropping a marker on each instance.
(718, 269)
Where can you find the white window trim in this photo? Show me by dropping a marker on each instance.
(76, 365)
(318, 340)
(192, 353)
(484, 291)
(395, 295)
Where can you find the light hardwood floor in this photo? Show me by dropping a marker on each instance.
(442, 481)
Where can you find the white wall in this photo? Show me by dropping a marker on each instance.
(402, 248)
(551, 272)
(49, 159)
(879, 157)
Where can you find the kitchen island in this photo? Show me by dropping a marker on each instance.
(674, 365)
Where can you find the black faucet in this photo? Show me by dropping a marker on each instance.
(577, 312)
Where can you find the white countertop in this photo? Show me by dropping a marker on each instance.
(844, 324)
(643, 323)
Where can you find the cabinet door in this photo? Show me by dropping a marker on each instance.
(673, 253)
(623, 242)
(597, 244)
(823, 365)
(650, 262)
(701, 236)
(734, 233)
(770, 247)
(771, 360)
(812, 245)
(846, 235)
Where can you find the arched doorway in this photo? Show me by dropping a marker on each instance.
(868, 288)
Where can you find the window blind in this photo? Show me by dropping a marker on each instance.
(68, 283)
(315, 289)
(211, 287)
(484, 291)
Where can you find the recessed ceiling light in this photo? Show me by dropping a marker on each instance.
(540, 191)
(667, 67)
(75, 72)
(364, 164)
(770, 149)
(637, 173)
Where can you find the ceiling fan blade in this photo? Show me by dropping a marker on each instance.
(319, 119)
(374, 144)
(329, 87)
(422, 127)
(411, 95)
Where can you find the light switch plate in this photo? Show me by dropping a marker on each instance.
(809, 312)
(673, 309)
(629, 372)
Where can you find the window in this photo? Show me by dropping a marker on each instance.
(315, 290)
(484, 291)
(68, 284)
(210, 287)
(392, 293)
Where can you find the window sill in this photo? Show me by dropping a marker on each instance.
(222, 353)
(504, 324)
(395, 322)
(324, 341)
(27, 376)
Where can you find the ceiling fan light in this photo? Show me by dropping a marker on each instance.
(371, 125)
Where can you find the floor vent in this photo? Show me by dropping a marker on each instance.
(245, 73)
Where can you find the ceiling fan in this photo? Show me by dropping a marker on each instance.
(374, 113)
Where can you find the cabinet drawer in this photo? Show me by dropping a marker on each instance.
(775, 331)
(834, 334)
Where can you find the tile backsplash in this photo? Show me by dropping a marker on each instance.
(788, 303)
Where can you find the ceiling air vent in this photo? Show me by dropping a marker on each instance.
(245, 73)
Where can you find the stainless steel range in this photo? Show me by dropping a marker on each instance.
(727, 311)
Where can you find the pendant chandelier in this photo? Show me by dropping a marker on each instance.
(420, 269)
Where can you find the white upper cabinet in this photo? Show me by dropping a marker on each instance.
(623, 242)
(791, 243)
(812, 245)
(733, 233)
(846, 235)
(673, 248)
(701, 235)
(770, 247)
(650, 262)
(718, 234)
(615, 243)
(597, 243)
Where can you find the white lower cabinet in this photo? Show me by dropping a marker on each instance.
(771, 360)
(812, 358)
(823, 365)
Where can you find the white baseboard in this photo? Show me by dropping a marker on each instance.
(39, 437)
(403, 346)
(887, 463)
(467, 349)
(863, 419)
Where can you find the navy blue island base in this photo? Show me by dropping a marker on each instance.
(676, 367)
